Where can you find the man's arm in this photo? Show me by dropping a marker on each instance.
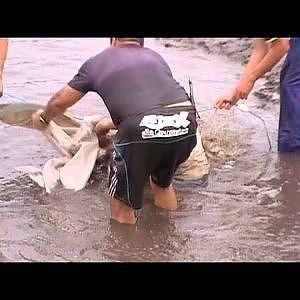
(56, 106)
(279, 48)
(259, 50)
(261, 61)
(3, 54)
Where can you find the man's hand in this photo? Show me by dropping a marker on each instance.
(1, 86)
(36, 121)
(102, 129)
(241, 91)
(104, 126)
(226, 101)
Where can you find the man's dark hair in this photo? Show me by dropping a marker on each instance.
(138, 40)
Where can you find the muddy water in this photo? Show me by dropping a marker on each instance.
(249, 211)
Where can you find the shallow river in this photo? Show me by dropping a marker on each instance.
(249, 211)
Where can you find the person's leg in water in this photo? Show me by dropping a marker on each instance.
(164, 197)
(126, 183)
(165, 158)
(121, 212)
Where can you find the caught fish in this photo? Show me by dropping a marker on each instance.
(20, 114)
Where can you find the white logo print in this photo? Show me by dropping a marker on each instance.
(154, 124)
(159, 122)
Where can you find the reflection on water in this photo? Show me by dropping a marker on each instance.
(285, 223)
(248, 211)
(289, 173)
(153, 239)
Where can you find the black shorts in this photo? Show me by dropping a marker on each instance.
(133, 162)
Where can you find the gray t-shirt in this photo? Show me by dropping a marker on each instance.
(131, 80)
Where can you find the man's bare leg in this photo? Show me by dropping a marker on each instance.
(164, 197)
(121, 213)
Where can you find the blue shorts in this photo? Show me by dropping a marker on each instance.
(289, 120)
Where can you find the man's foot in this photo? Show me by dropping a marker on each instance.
(122, 213)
